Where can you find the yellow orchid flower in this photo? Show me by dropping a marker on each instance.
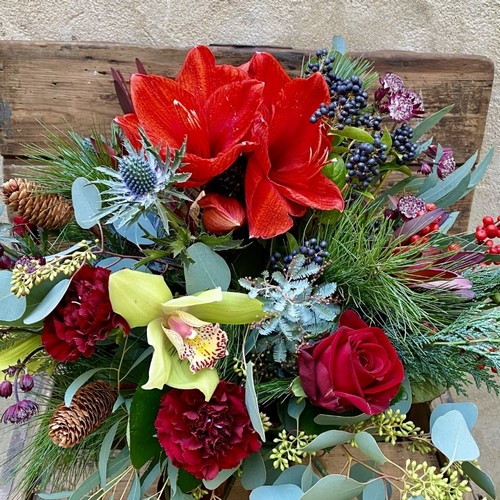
(184, 332)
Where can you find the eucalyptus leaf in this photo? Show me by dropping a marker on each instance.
(86, 201)
(468, 410)
(135, 490)
(448, 223)
(222, 476)
(480, 478)
(253, 472)
(48, 303)
(150, 478)
(375, 490)
(292, 475)
(54, 496)
(77, 383)
(367, 444)
(343, 487)
(11, 307)
(425, 125)
(479, 171)
(114, 264)
(137, 232)
(277, 492)
(338, 44)
(451, 436)
(309, 479)
(252, 404)
(209, 270)
(328, 439)
(295, 408)
(104, 452)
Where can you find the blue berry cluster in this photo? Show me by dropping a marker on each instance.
(369, 121)
(363, 164)
(401, 142)
(312, 250)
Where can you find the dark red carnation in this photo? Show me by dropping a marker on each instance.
(205, 437)
(83, 317)
(355, 367)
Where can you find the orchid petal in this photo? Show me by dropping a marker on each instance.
(183, 303)
(137, 296)
(162, 361)
(234, 309)
(181, 377)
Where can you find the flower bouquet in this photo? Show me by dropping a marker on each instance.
(242, 276)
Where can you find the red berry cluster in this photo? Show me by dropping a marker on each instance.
(423, 235)
(487, 232)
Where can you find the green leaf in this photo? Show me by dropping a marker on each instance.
(11, 307)
(367, 444)
(479, 171)
(297, 389)
(48, 303)
(309, 479)
(208, 271)
(104, 452)
(328, 439)
(336, 171)
(253, 472)
(295, 408)
(430, 122)
(292, 475)
(456, 194)
(77, 383)
(137, 232)
(323, 419)
(222, 476)
(344, 488)
(144, 446)
(387, 139)
(277, 492)
(54, 496)
(468, 410)
(403, 400)
(480, 478)
(451, 436)
(355, 133)
(86, 201)
(252, 404)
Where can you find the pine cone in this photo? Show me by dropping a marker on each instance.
(90, 407)
(26, 198)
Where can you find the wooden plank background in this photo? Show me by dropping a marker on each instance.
(69, 85)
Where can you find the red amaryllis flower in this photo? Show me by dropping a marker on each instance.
(211, 106)
(355, 367)
(284, 172)
(221, 214)
(83, 317)
(205, 437)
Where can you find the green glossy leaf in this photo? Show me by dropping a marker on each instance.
(387, 139)
(104, 452)
(336, 171)
(328, 439)
(355, 133)
(403, 400)
(222, 476)
(344, 488)
(11, 307)
(277, 492)
(468, 410)
(367, 444)
(252, 403)
(297, 389)
(77, 383)
(144, 446)
(323, 419)
(425, 125)
(209, 270)
(48, 303)
(253, 472)
(295, 408)
(86, 201)
(451, 436)
(423, 392)
(480, 478)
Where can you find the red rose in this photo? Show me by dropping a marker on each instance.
(205, 437)
(355, 367)
(83, 316)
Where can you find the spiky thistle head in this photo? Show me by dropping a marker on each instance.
(143, 179)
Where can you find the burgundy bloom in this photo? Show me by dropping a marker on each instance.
(6, 389)
(83, 317)
(205, 437)
(20, 412)
(404, 105)
(355, 367)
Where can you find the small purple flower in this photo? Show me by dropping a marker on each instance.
(425, 168)
(410, 206)
(446, 164)
(26, 382)
(20, 412)
(392, 82)
(404, 105)
(5, 389)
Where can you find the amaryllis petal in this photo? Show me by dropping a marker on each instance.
(137, 296)
(130, 126)
(201, 76)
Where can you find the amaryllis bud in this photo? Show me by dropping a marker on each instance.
(5, 389)
(221, 214)
(26, 382)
